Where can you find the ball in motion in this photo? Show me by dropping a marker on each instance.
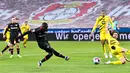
(96, 60)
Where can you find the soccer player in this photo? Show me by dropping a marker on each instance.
(7, 40)
(41, 37)
(102, 21)
(115, 22)
(24, 28)
(14, 29)
(117, 50)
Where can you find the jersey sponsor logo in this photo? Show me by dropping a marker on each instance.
(16, 25)
(13, 28)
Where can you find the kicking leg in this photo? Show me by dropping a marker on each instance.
(60, 55)
(121, 61)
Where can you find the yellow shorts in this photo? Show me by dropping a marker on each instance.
(103, 36)
(119, 56)
(26, 37)
(7, 39)
(117, 51)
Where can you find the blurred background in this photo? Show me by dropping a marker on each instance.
(69, 20)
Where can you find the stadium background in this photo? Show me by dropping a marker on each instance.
(69, 20)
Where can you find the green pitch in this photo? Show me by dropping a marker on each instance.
(81, 54)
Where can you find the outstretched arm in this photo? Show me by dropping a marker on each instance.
(111, 23)
(31, 31)
(95, 25)
(123, 52)
(94, 28)
(24, 34)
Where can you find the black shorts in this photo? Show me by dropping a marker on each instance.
(13, 39)
(45, 46)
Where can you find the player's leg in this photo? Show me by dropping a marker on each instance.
(11, 50)
(104, 48)
(18, 48)
(49, 48)
(117, 51)
(59, 54)
(109, 50)
(103, 40)
(7, 46)
(25, 41)
(11, 46)
(121, 60)
(47, 57)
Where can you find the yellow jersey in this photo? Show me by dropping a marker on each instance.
(112, 41)
(25, 28)
(102, 23)
(118, 49)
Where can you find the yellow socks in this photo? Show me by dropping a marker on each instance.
(116, 62)
(24, 42)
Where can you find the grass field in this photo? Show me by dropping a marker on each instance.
(81, 54)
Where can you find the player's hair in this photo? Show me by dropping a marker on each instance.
(104, 11)
(45, 25)
(112, 32)
(26, 21)
(113, 16)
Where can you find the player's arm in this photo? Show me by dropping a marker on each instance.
(107, 31)
(20, 36)
(29, 28)
(5, 30)
(37, 29)
(117, 25)
(124, 55)
(111, 23)
(30, 31)
(94, 27)
(19, 30)
(21, 27)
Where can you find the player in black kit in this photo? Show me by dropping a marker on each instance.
(14, 32)
(42, 41)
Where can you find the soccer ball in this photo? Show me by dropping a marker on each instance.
(96, 60)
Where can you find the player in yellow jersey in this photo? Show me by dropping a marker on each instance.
(117, 50)
(102, 22)
(24, 28)
(7, 40)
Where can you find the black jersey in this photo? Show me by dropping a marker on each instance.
(41, 34)
(14, 29)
